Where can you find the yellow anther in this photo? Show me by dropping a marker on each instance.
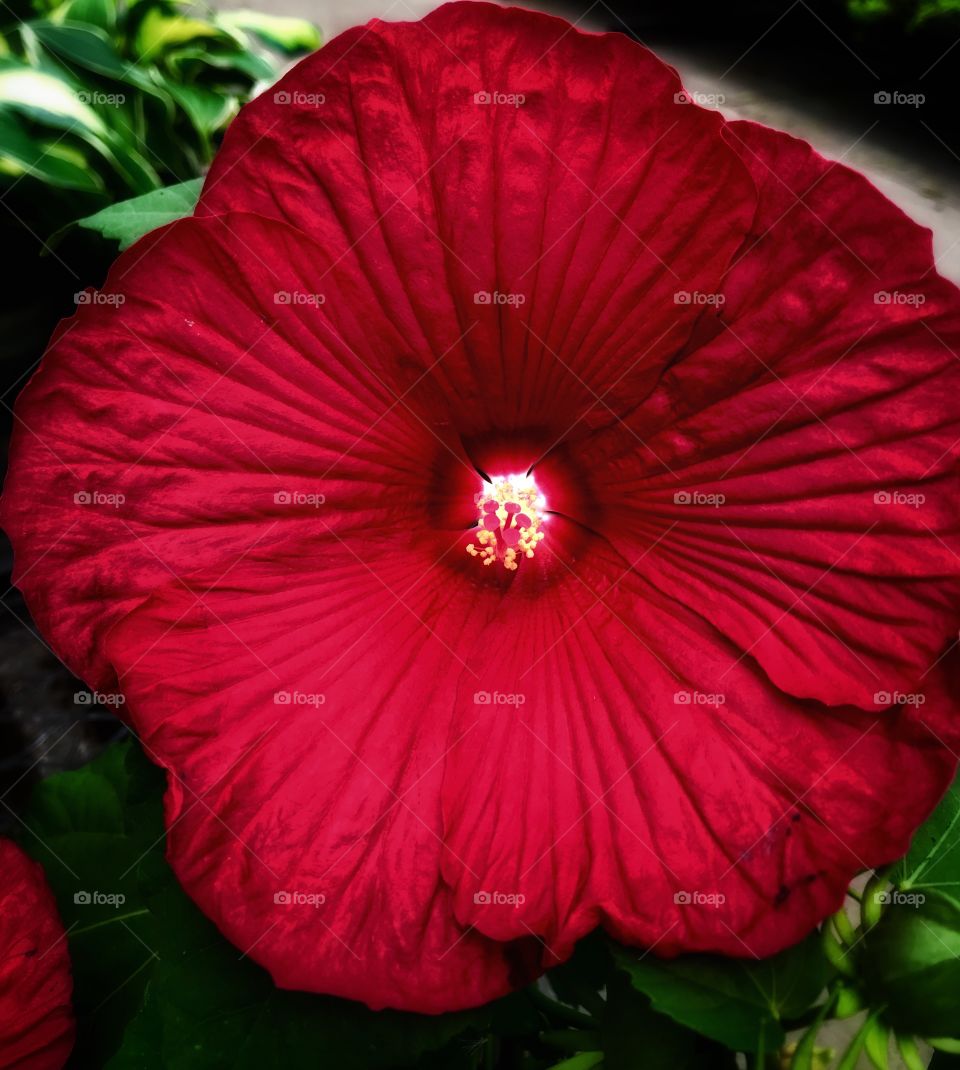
(499, 535)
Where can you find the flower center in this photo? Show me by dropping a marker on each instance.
(511, 510)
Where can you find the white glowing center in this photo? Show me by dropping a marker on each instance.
(510, 513)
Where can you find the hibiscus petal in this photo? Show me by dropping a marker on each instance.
(283, 591)
(303, 712)
(188, 416)
(576, 207)
(36, 1018)
(684, 802)
(803, 490)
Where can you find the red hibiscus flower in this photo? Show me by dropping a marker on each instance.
(36, 1016)
(519, 501)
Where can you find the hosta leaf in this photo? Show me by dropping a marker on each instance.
(47, 99)
(228, 63)
(100, 13)
(161, 30)
(286, 34)
(49, 161)
(208, 111)
(86, 46)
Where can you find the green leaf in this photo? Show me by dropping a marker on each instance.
(130, 220)
(739, 1002)
(286, 34)
(907, 1047)
(228, 63)
(47, 99)
(88, 828)
(91, 49)
(208, 111)
(877, 1045)
(100, 13)
(161, 30)
(136, 171)
(86, 46)
(851, 1056)
(51, 100)
(586, 1060)
(630, 1027)
(156, 985)
(52, 162)
(934, 857)
(911, 965)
